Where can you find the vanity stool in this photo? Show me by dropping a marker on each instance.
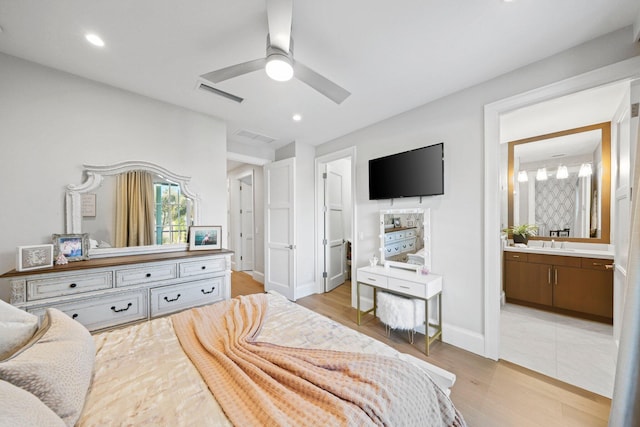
(398, 312)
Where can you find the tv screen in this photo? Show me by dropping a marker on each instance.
(414, 173)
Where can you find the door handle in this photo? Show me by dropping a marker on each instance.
(290, 247)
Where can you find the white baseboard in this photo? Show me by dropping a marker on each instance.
(258, 276)
(463, 338)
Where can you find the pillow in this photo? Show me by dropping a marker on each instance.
(21, 408)
(56, 366)
(16, 327)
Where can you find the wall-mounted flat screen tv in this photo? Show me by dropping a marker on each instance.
(413, 173)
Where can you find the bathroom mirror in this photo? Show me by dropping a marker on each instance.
(405, 238)
(561, 182)
(91, 208)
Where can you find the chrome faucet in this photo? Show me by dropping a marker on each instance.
(553, 242)
(562, 245)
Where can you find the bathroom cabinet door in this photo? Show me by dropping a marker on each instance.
(526, 282)
(584, 290)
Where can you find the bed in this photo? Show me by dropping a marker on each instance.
(144, 374)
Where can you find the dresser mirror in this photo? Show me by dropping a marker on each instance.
(404, 238)
(561, 182)
(96, 205)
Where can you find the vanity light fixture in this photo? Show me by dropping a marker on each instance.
(541, 175)
(562, 173)
(94, 40)
(585, 170)
(523, 176)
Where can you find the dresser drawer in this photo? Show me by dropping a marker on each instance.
(104, 311)
(372, 279)
(145, 274)
(67, 285)
(205, 266)
(167, 299)
(406, 287)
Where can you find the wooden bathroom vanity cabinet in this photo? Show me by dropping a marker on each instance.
(572, 285)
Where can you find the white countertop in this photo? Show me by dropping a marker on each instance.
(575, 252)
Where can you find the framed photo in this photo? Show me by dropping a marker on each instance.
(34, 257)
(75, 247)
(205, 237)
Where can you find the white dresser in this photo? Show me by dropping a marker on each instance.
(408, 283)
(106, 292)
(399, 240)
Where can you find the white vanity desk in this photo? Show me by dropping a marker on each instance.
(407, 283)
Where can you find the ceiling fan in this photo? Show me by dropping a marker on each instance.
(279, 63)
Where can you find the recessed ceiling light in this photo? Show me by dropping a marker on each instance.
(296, 117)
(94, 40)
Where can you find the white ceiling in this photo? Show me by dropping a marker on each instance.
(392, 56)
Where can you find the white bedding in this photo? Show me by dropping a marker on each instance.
(142, 376)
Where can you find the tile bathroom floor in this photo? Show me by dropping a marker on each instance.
(579, 352)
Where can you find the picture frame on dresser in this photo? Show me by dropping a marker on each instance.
(34, 257)
(205, 237)
(75, 247)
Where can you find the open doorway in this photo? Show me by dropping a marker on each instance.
(335, 219)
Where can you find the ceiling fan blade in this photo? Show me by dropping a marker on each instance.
(279, 16)
(234, 70)
(320, 83)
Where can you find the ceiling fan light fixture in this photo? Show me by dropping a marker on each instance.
(279, 67)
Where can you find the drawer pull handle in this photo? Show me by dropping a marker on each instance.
(404, 287)
(371, 278)
(73, 285)
(121, 309)
(210, 292)
(148, 274)
(609, 266)
(172, 300)
(597, 263)
(204, 267)
(74, 315)
(516, 256)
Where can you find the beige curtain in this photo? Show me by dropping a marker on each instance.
(134, 209)
(625, 407)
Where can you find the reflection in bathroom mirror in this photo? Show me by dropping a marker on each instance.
(561, 183)
(403, 237)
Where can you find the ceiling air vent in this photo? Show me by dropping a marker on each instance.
(254, 136)
(222, 93)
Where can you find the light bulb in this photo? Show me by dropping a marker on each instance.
(541, 175)
(562, 172)
(279, 67)
(523, 176)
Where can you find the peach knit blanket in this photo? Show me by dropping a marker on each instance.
(262, 384)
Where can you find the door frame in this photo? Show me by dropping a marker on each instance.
(320, 162)
(234, 180)
(627, 69)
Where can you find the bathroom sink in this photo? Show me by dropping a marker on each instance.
(540, 248)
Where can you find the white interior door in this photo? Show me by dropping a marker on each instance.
(246, 224)
(334, 240)
(280, 252)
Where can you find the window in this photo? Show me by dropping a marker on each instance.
(170, 214)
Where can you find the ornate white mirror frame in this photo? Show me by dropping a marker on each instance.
(94, 177)
(425, 255)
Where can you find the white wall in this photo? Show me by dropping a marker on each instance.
(53, 122)
(457, 216)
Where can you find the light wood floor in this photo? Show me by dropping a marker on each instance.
(487, 393)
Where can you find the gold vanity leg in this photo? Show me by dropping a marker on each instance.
(358, 298)
(426, 326)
